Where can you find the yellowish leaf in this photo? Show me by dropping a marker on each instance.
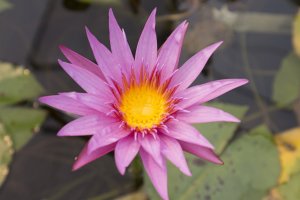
(288, 144)
(296, 33)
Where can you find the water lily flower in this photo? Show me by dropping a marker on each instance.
(141, 104)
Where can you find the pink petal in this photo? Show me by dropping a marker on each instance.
(67, 104)
(85, 158)
(87, 80)
(81, 61)
(172, 150)
(87, 125)
(190, 70)
(152, 147)
(187, 133)
(169, 53)
(105, 59)
(125, 151)
(146, 51)
(106, 136)
(205, 114)
(119, 44)
(201, 152)
(208, 91)
(93, 101)
(157, 174)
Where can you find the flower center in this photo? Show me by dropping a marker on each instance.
(143, 106)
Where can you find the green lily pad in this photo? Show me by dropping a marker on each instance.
(291, 189)
(6, 151)
(217, 133)
(17, 84)
(4, 5)
(286, 88)
(251, 168)
(21, 123)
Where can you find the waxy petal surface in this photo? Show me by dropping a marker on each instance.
(187, 133)
(87, 125)
(119, 45)
(202, 93)
(201, 152)
(191, 69)
(87, 80)
(205, 114)
(172, 150)
(146, 51)
(125, 151)
(156, 173)
(85, 158)
(67, 104)
(81, 61)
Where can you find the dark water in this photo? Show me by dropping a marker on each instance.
(32, 30)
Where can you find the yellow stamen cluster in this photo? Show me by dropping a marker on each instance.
(143, 106)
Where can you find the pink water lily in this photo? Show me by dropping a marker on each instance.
(141, 104)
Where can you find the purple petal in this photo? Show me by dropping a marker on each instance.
(157, 174)
(119, 44)
(93, 101)
(208, 91)
(106, 136)
(87, 125)
(169, 53)
(146, 51)
(87, 80)
(85, 158)
(190, 70)
(81, 61)
(172, 150)
(205, 114)
(125, 151)
(201, 152)
(67, 104)
(105, 59)
(152, 147)
(187, 133)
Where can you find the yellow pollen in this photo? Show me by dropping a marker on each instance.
(143, 106)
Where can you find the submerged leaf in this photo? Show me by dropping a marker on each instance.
(286, 86)
(4, 5)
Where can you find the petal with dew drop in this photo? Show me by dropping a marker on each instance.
(118, 43)
(172, 150)
(146, 51)
(202, 93)
(205, 114)
(125, 151)
(201, 152)
(187, 133)
(85, 158)
(67, 104)
(191, 69)
(87, 125)
(156, 173)
(81, 61)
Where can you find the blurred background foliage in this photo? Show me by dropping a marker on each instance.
(262, 44)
